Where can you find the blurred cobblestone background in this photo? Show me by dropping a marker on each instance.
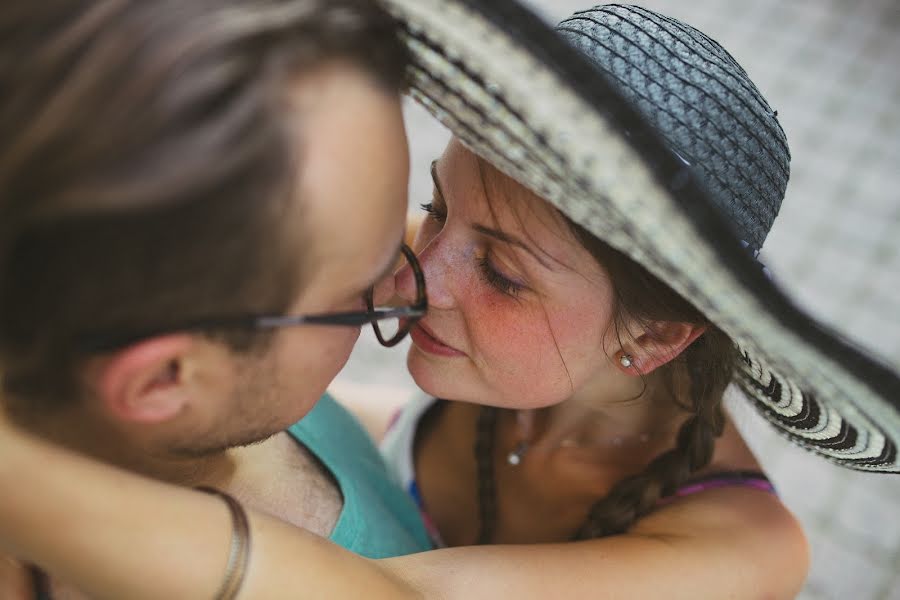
(830, 68)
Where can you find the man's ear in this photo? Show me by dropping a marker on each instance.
(144, 383)
(662, 342)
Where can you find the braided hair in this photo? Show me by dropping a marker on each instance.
(706, 366)
(485, 430)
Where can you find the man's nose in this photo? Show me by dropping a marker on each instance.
(405, 284)
(384, 292)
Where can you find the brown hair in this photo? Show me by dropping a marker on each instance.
(145, 165)
(696, 379)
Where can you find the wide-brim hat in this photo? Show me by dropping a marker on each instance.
(519, 94)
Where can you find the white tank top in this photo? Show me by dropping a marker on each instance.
(397, 450)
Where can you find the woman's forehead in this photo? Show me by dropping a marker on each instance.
(494, 191)
(499, 201)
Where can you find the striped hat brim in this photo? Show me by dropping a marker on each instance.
(517, 94)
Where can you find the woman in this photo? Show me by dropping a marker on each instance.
(529, 309)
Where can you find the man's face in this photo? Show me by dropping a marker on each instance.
(350, 211)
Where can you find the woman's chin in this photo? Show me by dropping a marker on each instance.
(436, 380)
(450, 381)
(423, 374)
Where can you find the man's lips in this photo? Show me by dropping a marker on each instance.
(426, 340)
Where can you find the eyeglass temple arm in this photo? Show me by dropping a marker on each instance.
(350, 319)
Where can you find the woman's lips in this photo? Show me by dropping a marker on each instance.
(428, 342)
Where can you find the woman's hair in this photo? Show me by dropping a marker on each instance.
(147, 162)
(696, 379)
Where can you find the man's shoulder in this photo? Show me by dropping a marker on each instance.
(329, 427)
(378, 518)
(334, 437)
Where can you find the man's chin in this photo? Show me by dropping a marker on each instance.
(210, 449)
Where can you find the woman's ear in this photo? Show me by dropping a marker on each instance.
(145, 382)
(657, 345)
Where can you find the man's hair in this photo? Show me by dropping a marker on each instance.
(146, 165)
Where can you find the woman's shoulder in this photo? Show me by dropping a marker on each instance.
(731, 510)
(724, 543)
(375, 406)
(744, 527)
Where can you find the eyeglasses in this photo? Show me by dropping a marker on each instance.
(391, 324)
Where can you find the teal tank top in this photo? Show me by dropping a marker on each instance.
(378, 519)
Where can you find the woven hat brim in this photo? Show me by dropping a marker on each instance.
(513, 91)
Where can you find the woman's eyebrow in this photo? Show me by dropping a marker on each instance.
(512, 240)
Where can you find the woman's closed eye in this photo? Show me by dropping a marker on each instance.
(488, 272)
(434, 212)
(497, 280)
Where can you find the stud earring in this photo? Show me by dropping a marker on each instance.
(626, 360)
(515, 457)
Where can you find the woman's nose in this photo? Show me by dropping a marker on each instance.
(434, 269)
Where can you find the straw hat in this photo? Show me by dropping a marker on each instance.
(647, 133)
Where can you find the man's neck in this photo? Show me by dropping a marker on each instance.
(277, 475)
(105, 442)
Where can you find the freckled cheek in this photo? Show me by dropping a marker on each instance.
(494, 328)
(515, 352)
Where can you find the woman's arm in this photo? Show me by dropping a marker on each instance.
(114, 534)
(724, 543)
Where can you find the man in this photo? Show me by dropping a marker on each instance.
(168, 168)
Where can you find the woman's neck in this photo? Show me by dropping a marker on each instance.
(577, 452)
(617, 432)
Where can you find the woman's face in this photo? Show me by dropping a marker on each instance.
(519, 312)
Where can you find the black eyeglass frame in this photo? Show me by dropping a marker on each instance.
(408, 316)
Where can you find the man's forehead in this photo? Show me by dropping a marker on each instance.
(349, 266)
(352, 180)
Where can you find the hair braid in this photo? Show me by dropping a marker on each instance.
(635, 496)
(484, 462)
